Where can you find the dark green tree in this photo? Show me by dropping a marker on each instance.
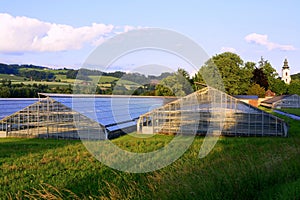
(226, 69)
(294, 87)
(260, 78)
(279, 87)
(5, 92)
(177, 84)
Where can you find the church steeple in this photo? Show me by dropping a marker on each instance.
(286, 77)
(285, 64)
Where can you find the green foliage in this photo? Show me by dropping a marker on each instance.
(295, 76)
(37, 75)
(294, 87)
(145, 90)
(269, 71)
(175, 85)
(279, 87)
(234, 75)
(8, 90)
(4, 92)
(72, 74)
(257, 90)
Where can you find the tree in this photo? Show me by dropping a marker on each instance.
(294, 87)
(226, 67)
(269, 71)
(260, 78)
(6, 82)
(246, 75)
(257, 90)
(4, 92)
(279, 87)
(175, 85)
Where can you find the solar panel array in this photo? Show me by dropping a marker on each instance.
(10, 106)
(113, 112)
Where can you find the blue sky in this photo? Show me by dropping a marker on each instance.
(250, 28)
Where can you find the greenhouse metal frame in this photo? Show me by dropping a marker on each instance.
(48, 118)
(283, 101)
(197, 112)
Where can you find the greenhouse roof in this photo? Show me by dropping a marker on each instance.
(112, 111)
(9, 106)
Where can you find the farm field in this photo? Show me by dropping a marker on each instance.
(237, 168)
(13, 78)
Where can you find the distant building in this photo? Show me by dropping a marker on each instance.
(270, 94)
(249, 99)
(286, 76)
(283, 101)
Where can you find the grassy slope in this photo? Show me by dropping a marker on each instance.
(104, 81)
(237, 168)
(12, 78)
(295, 111)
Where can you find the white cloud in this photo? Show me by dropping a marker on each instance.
(23, 34)
(264, 41)
(228, 49)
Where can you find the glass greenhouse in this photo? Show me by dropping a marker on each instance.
(211, 109)
(61, 116)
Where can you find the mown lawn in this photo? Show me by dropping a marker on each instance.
(237, 168)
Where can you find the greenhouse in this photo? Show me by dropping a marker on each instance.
(210, 108)
(283, 101)
(64, 116)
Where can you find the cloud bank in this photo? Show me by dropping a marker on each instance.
(264, 41)
(24, 34)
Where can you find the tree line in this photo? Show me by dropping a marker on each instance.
(226, 70)
(236, 77)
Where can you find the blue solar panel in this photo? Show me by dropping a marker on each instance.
(113, 112)
(10, 106)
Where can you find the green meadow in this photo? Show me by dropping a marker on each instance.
(236, 168)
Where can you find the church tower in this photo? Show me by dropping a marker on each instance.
(286, 76)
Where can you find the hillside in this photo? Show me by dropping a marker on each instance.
(295, 76)
(28, 80)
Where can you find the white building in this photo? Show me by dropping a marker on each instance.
(286, 76)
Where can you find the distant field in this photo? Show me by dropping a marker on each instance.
(63, 78)
(103, 79)
(51, 84)
(237, 168)
(295, 111)
(55, 71)
(13, 78)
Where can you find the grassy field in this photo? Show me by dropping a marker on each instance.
(54, 71)
(237, 168)
(295, 111)
(50, 84)
(63, 78)
(13, 78)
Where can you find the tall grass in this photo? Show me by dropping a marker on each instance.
(237, 168)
